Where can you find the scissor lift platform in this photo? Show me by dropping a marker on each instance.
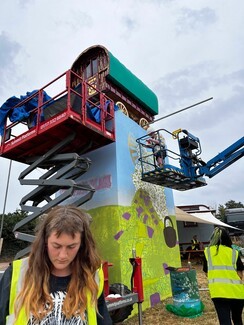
(67, 112)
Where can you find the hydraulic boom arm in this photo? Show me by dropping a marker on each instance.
(223, 159)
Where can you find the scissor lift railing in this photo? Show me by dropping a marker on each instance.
(70, 109)
(58, 130)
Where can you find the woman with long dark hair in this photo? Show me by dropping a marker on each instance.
(61, 282)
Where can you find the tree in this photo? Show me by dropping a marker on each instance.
(228, 205)
(11, 245)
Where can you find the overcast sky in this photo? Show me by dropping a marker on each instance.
(185, 50)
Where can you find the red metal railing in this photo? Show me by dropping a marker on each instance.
(67, 103)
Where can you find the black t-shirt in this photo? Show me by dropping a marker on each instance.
(57, 283)
(58, 286)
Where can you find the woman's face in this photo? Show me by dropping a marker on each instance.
(61, 251)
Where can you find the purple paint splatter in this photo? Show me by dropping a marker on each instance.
(139, 211)
(154, 299)
(118, 235)
(126, 215)
(150, 232)
(166, 271)
(145, 218)
(146, 200)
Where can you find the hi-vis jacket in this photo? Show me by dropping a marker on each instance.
(19, 269)
(223, 280)
(195, 243)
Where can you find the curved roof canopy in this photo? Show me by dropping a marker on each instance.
(132, 85)
(122, 77)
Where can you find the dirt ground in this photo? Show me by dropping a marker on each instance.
(158, 315)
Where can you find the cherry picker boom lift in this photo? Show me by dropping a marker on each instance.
(191, 168)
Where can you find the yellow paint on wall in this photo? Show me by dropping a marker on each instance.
(141, 230)
(119, 229)
(139, 248)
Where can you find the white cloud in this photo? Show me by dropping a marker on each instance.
(195, 20)
(8, 53)
(185, 50)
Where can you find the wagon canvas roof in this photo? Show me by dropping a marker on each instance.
(126, 80)
(119, 75)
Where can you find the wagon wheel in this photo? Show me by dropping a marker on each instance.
(122, 107)
(144, 123)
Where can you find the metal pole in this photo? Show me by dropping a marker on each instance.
(5, 198)
(140, 313)
(181, 110)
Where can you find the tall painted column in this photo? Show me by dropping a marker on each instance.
(129, 213)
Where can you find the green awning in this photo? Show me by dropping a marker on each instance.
(126, 80)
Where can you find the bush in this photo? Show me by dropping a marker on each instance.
(11, 245)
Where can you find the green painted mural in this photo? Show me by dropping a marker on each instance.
(138, 226)
(128, 213)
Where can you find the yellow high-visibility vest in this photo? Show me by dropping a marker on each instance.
(195, 243)
(19, 268)
(223, 280)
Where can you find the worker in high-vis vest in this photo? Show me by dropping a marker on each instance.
(61, 282)
(195, 243)
(224, 269)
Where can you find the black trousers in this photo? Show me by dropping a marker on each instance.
(229, 309)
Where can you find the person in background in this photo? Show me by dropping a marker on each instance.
(195, 243)
(224, 270)
(61, 282)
